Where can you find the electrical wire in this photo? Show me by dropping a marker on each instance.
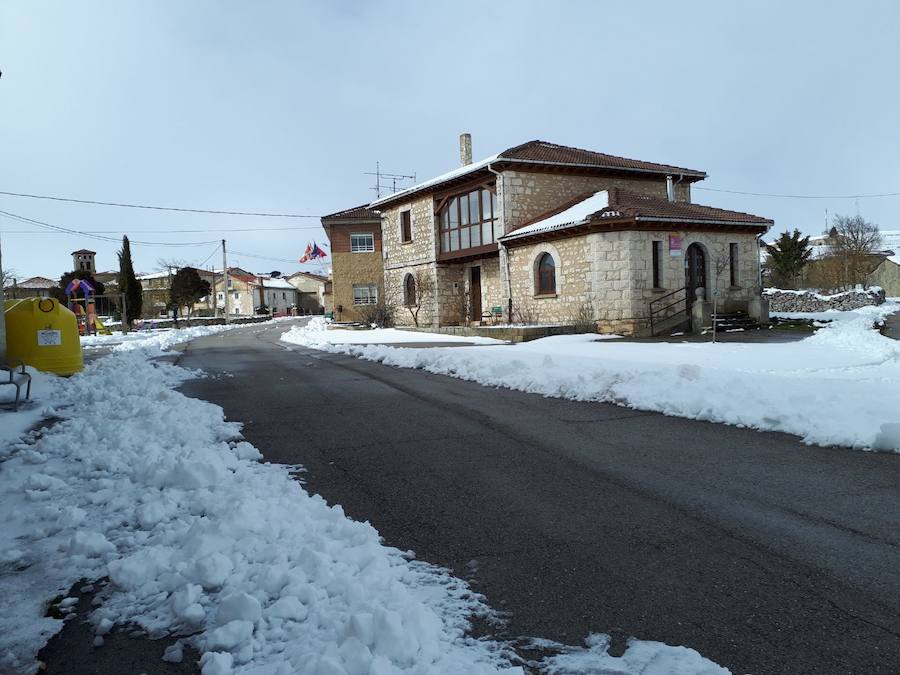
(767, 194)
(260, 214)
(58, 228)
(191, 231)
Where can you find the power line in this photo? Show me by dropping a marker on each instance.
(98, 237)
(767, 194)
(189, 231)
(94, 202)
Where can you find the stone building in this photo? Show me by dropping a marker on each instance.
(311, 291)
(546, 233)
(357, 268)
(83, 261)
(35, 287)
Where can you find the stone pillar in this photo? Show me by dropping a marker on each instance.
(701, 312)
(758, 308)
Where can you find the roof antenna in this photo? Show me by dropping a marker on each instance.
(392, 177)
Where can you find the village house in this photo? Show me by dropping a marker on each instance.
(356, 261)
(279, 295)
(311, 291)
(156, 295)
(35, 287)
(545, 233)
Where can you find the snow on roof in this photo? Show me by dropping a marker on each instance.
(276, 283)
(153, 275)
(36, 282)
(577, 213)
(461, 171)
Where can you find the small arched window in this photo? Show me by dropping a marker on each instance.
(545, 281)
(409, 291)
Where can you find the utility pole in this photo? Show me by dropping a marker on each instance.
(3, 313)
(225, 281)
(212, 271)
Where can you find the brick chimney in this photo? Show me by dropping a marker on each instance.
(465, 149)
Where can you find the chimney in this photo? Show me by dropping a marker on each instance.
(465, 149)
(670, 189)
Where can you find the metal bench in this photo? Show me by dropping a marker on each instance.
(17, 377)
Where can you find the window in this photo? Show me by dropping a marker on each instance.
(237, 296)
(657, 264)
(362, 243)
(365, 294)
(546, 275)
(468, 220)
(220, 296)
(406, 226)
(733, 263)
(409, 291)
(283, 296)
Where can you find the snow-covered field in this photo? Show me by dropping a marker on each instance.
(837, 387)
(385, 336)
(199, 539)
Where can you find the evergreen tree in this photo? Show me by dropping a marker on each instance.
(187, 288)
(787, 257)
(129, 286)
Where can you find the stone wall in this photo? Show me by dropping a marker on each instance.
(610, 274)
(807, 301)
(454, 284)
(887, 275)
(525, 196)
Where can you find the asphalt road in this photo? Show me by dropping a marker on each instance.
(765, 555)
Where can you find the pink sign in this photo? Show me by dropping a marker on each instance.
(674, 245)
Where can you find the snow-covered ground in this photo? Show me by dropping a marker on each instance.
(385, 336)
(163, 338)
(837, 387)
(199, 539)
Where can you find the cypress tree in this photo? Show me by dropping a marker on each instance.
(129, 286)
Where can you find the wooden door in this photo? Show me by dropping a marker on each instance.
(694, 271)
(475, 294)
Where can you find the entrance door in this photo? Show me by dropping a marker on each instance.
(694, 271)
(475, 294)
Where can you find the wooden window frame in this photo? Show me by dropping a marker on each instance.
(656, 253)
(733, 264)
(454, 232)
(541, 287)
(354, 249)
(406, 235)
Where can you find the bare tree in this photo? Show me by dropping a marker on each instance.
(854, 240)
(8, 276)
(418, 292)
(721, 261)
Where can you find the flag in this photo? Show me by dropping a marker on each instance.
(312, 252)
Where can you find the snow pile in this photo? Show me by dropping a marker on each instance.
(316, 334)
(644, 657)
(577, 213)
(162, 339)
(198, 538)
(838, 387)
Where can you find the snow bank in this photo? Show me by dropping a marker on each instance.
(318, 335)
(838, 387)
(198, 538)
(644, 657)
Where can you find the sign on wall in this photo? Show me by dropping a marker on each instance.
(674, 245)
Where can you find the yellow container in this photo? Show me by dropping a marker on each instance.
(43, 334)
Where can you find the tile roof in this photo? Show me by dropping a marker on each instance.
(547, 154)
(84, 250)
(543, 152)
(36, 282)
(639, 207)
(626, 206)
(362, 212)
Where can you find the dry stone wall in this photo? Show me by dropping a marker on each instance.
(807, 301)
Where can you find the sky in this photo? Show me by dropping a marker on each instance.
(284, 106)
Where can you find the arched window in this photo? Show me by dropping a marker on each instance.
(545, 277)
(409, 291)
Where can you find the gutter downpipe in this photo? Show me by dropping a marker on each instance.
(504, 254)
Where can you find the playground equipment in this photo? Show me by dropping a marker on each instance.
(43, 334)
(84, 310)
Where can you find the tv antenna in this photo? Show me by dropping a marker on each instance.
(392, 178)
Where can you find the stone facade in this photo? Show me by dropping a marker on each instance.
(527, 196)
(609, 276)
(605, 276)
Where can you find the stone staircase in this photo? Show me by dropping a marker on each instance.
(734, 321)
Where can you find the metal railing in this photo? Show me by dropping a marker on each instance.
(664, 303)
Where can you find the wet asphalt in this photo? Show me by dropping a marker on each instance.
(764, 554)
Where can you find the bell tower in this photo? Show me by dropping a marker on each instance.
(83, 261)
